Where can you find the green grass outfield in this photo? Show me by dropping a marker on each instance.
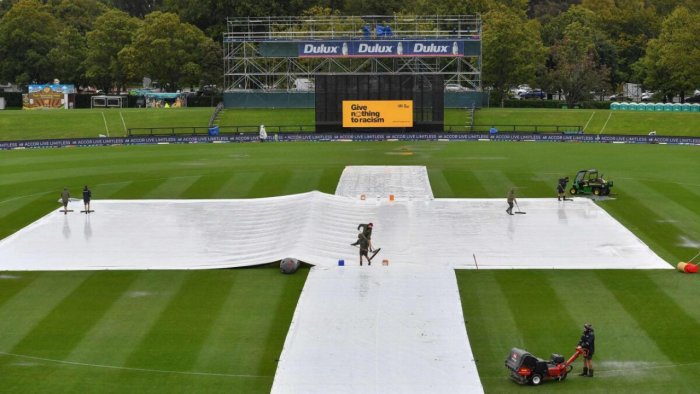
(222, 331)
(19, 125)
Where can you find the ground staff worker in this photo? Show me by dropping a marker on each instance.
(511, 199)
(587, 342)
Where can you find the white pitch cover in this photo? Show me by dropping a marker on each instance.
(381, 182)
(318, 228)
(378, 329)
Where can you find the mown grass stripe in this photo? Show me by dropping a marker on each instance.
(679, 203)
(641, 297)
(134, 190)
(328, 181)
(464, 183)
(64, 326)
(238, 185)
(495, 183)
(272, 183)
(123, 327)
(487, 317)
(12, 283)
(186, 321)
(621, 339)
(535, 307)
(203, 186)
(531, 185)
(105, 190)
(238, 337)
(13, 206)
(164, 188)
(647, 223)
(29, 212)
(303, 181)
(279, 324)
(438, 184)
(21, 313)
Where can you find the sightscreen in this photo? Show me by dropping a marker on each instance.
(424, 94)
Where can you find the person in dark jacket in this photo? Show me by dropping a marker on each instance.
(587, 342)
(561, 188)
(365, 234)
(87, 195)
(364, 248)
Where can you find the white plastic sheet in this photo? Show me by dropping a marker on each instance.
(381, 182)
(378, 329)
(318, 228)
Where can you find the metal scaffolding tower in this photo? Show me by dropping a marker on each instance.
(268, 54)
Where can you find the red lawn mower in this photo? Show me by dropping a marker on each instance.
(526, 368)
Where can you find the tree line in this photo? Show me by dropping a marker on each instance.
(574, 47)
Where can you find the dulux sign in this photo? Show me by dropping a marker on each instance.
(382, 48)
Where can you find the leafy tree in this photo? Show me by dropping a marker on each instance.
(592, 28)
(576, 70)
(28, 32)
(512, 50)
(452, 7)
(364, 7)
(544, 10)
(665, 7)
(79, 14)
(6, 5)
(671, 61)
(171, 52)
(138, 8)
(629, 24)
(67, 56)
(113, 31)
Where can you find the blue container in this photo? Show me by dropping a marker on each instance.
(677, 107)
(659, 106)
(695, 108)
(687, 107)
(668, 107)
(341, 263)
(614, 106)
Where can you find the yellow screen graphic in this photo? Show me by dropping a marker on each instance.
(378, 113)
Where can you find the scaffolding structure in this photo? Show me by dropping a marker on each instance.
(265, 54)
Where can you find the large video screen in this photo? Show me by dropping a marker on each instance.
(390, 96)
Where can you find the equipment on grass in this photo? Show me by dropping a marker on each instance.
(519, 211)
(526, 368)
(590, 182)
(290, 265)
(688, 268)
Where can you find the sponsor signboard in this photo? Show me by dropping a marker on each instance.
(377, 113)
(382, 48)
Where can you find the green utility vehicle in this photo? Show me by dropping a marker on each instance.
(590, 182)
